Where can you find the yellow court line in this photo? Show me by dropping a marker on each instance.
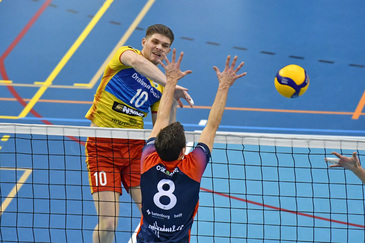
(121, 42)
(6, 81)
(5, 138)
(40, 84)
(359, 107)
(15, 189)
(9, 117)
(64, 60)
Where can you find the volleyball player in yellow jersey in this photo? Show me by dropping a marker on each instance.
(132, 85)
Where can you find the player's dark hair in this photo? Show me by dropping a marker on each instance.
(170, 141)
(160, 29)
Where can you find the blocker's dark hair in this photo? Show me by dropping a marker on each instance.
(160, 29)
(170, 141)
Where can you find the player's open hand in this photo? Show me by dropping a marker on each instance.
(172, 69)
(351, 163)
(173, 73)
(229, 74)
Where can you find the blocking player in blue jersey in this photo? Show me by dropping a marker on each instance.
(132, 85)
(170, 180)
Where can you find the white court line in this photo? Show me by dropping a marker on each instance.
(133, 239)
(15, 189)
(203, 122)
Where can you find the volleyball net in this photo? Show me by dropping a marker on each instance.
(257, 187)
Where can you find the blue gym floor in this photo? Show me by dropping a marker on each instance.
(52, 51)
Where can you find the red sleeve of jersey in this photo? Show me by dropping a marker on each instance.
(195, 163)
(149, 156)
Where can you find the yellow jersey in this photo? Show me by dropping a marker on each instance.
(124, 97)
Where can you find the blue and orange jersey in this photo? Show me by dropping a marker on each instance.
(124, 97)
(170, 194)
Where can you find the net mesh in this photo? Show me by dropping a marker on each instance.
(257, 187)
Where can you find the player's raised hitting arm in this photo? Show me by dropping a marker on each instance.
(173, 74)
(145, 67)
(350, 163)
(226, 79)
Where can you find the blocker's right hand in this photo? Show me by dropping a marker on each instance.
(172, 70)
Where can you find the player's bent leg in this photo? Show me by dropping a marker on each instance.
(107, 208)
(135, 193)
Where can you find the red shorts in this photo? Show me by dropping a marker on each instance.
(111, 162)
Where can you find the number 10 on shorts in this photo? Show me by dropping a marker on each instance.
(100, 177)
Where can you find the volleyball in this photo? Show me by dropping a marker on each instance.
(291, 81)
